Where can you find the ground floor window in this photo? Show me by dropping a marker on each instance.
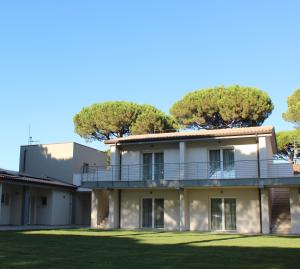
(152, 213)
(223, 214)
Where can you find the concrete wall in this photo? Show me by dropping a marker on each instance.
(11, 213)
(131, 204)
(59, 161)
(83, 154)
(247, 210)
(44, 212)
(83, 208)
(61, 208)
(295, 210)
(52, 160)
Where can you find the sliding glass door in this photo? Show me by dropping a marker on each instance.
(153, 166)
(223, 214)
(147, 213)
(153, 213)
(221, 163)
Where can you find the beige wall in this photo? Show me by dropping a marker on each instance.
(61, 208)
(131, 203)
(197, 207)
(11, 213)
(59, 161)
(247, 208)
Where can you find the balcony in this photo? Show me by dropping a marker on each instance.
(236, 173)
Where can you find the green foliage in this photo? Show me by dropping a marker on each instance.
(293, 112)
(107, 120)
(285, 143)
(221, 107)
(152, 120)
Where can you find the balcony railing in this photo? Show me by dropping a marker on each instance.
(190, 171)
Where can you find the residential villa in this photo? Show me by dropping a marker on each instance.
(46, 190)
(210, 180)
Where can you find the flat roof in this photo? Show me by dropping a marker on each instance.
(244, 131)
(62, 143)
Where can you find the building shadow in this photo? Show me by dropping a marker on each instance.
(61, 249)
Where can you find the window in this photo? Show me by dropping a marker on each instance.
(153, 166)
(223, 214)
(5, 199)
(153, 213)
(43, 200)
(85, 168)
(221, 163)
(24, 160)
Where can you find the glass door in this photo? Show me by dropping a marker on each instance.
(147, 166)
(158, 213)
(147, 213)
(153, 213)
(228, 163)
(216, 214)
(158, 165)
(223, 214)
(214, 163)
(230, 214)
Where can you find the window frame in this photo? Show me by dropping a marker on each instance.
(223, 213)
(153, 226)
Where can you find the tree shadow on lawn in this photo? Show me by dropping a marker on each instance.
(25, 250)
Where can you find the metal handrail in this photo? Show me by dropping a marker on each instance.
(188, 170)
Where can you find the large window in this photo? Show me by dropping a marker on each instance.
(223, 214)
(153, 213)
(153, 166)
(221, 163)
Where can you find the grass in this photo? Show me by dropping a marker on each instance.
(145, 249)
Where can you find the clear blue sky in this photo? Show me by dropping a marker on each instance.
(59, 56)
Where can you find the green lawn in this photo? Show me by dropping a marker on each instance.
(145, 249)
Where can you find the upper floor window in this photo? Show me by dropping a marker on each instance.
(153, 166)
(85, 168)
(24, 160)
(221, 163)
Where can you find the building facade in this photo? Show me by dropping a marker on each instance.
(218, 180)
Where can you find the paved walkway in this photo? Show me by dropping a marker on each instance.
(39, 227)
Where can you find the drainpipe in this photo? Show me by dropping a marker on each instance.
(259, 188)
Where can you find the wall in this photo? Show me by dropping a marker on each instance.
(44, 212)
(11, 213)
(132, 159)
(248, 216)
(49, 160)
(61, 207)
(83, 208)
(83, 154)
(131, 202)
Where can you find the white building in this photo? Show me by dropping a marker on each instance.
(217, 180)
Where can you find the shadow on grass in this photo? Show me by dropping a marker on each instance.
(25, 250)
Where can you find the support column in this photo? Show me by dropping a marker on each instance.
(115, 162)
(263, 156)
(265, 211)
(94, 209)
(295, 210)
(182, 216)
(182, 160)
(113, 211)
